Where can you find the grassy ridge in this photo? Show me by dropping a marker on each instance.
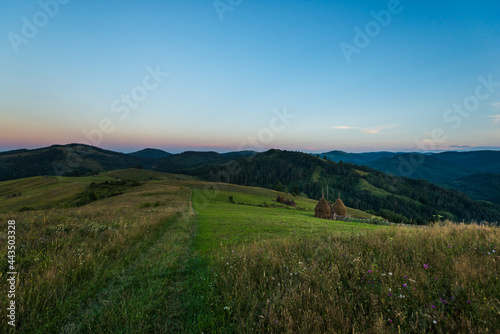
(222, 222)
(119, 265)
(79, 259)
(272, 270)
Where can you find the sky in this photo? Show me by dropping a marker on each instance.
(224, 75)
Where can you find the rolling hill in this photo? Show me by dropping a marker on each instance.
(428, 167)
(65, 160)
(479, 187)
(190, 160)
(479, 162)
(395, 198)
(356, 158)
(150, 153)
(192, 256)
(440, 168)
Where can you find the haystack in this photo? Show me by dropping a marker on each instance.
(280, 199)
(322, 209)
(339, 207)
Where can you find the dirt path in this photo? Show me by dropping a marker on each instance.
(145, 296)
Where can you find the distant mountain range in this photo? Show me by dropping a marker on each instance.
(362, 187)
(457, 170)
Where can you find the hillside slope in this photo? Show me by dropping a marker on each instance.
(479, 187)
(65, 160)
(427, 167)
(394, 198)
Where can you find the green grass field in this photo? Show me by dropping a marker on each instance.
(175, 255)
(226, 223)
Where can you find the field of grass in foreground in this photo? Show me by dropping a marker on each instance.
(109, 266)
(275, 272)
(119, 265)
(444, 279)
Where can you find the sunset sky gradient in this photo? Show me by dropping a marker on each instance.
(227, 78)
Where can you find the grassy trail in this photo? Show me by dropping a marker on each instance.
(144, 297)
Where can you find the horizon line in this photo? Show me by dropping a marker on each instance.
(463, 149)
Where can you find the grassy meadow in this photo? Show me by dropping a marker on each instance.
(176, 255)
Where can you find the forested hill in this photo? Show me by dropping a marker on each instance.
(65, 160)
(396, 198)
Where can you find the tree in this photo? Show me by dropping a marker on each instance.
(296, 191)
(279, 187)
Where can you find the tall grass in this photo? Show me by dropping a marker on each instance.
(442, 279)
(65, 257)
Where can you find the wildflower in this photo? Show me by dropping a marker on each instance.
(468, 301)
(425, 266)
(434, 322)
(390, 274)
(226, 308)
(369, 271)
(406, 277)
(404, 285)
(433, 306)
(383, 274)
(390, 320)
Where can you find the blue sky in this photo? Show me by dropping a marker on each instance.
(230, 71)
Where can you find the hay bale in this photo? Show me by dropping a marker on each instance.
(280, 199)
(292, 203)
(340, 208)
(322, 209)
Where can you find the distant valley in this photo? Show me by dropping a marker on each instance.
(475, 173)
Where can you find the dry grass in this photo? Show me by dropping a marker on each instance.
(443, 279)
(64, 257)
